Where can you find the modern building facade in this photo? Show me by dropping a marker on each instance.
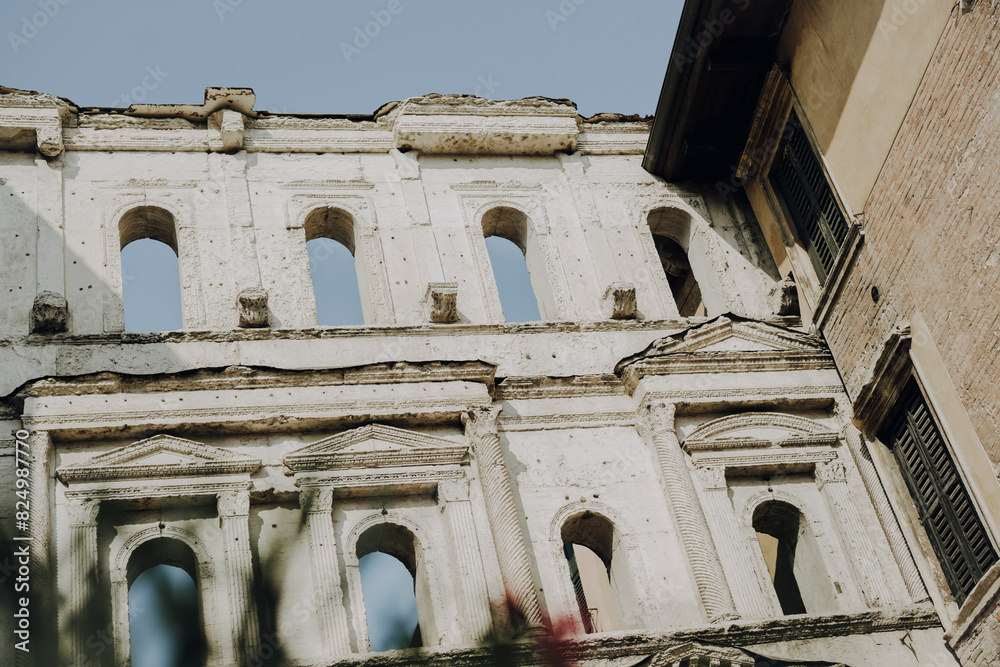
(665, 469)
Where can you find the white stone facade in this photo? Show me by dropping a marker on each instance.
(276, 451)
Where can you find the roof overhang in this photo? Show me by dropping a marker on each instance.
(719, 61)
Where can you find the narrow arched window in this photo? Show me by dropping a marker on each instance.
(599, 576)
(165, 620)
(332, 265)
(794, 561)
(518, 266)
(396, 591)
(671, 229)
(151, 285)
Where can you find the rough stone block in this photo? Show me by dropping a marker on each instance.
(620, 302)
(253, 309)
(49, 313)
(441, 302)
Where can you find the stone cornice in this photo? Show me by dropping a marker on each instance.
(566, 387)
(247, 377)
(718, 434)
(638, 646)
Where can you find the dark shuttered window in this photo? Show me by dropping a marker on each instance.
(821, 224)
(942, 501)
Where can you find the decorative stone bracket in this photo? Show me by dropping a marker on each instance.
(253, 308)
(231, 126)
(620, 302)
(441, 303)
(49, 313)
(784, 297)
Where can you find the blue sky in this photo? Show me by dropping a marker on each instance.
(606, 56)
(304, 56)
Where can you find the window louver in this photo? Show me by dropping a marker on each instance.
(821, 225)
(943, 503)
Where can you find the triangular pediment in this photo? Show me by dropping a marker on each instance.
(727, 344)
(375, 446)
(758, 429)
(160, 456)
(726, 334)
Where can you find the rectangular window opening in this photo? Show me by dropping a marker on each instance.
(821, 224)
(944, 505)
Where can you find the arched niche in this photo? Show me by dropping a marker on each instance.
(792, 555)
(168, 545)
(402, 539)
(602, 533)
(164, 607)
(334, 267)
(150, 270)
(691, 258)
(509, 221)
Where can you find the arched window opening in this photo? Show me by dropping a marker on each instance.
(671, 229)
(794, 561)
(151, 284)
(165, 620)
(333, 267)
(600, 580)
(395, 588)
(518, 266)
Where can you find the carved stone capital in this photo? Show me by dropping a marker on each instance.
(253, 308)
(83, 511)
(481, 422)
(711, 477)
(49, 313)
(441, 303)
(316, 499)
(658, 417)
(453, 490)
(828, 472)
(620, 301)
(234, 503)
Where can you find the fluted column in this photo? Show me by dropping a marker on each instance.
(317, 503)
(234, 513)
(890, 526)
(831, 478)
(83, 579)
(510, 541)
(657, 419)
(453, 497)
(743, 580)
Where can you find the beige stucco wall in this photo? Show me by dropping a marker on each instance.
(855, 66)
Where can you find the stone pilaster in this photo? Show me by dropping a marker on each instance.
(508, 536)
(317, 503)
(894, 534)
(831, 478)
(657, 419)
(733, 547)
(453, 497)
(234, 513)
(83, 591)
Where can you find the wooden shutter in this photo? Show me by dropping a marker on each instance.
(821, 224)
(943, 503)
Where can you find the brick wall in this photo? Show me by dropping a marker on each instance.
(934, 226)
